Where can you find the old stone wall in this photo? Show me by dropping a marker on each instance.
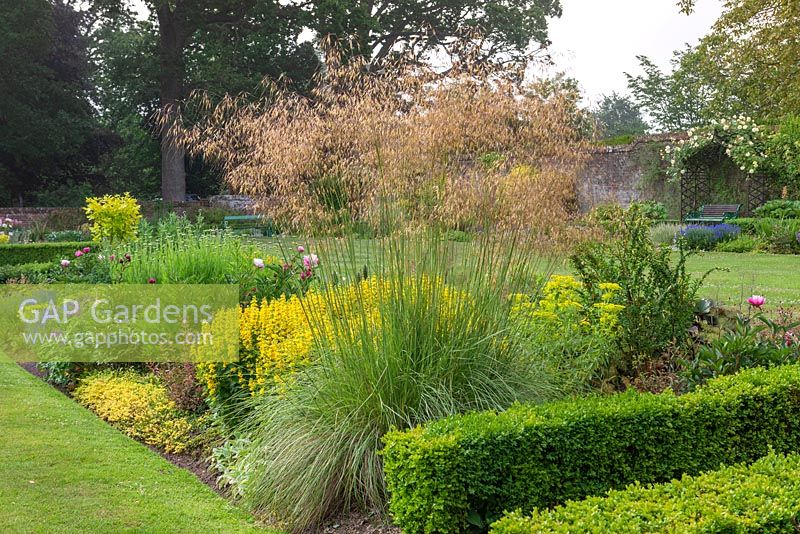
(627, 173)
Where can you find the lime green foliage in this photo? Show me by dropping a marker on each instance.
(113, 217)
(18, 254)
(469, 469)
(763, 497)
(617, 140)
(139, 406)
(65, 470)
(655, 211)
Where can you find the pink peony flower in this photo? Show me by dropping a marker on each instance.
(310, 261)
(87, 250)
(78, 253)
(112, 257)
(65, 263)
(258, 262)
(151, 281)
(757, 301)
(301, 249)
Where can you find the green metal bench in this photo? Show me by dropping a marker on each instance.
(714, 213)
(257, 222)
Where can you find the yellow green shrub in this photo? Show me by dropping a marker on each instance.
(113, 217)
(277, 337)
(138, 406)
(566, 303)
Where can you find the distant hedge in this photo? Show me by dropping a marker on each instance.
(469, 469)
(763, 498)
(17, 254)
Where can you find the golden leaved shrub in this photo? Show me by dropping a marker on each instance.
(138, 406)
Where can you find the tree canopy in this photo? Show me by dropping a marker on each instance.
(618, 116)
(751, 55)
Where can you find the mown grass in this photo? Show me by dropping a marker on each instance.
(738, 276)
(64, 470)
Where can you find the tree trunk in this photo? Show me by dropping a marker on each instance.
(173, 167)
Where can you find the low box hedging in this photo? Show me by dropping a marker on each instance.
(763, 498)
(469, 469)
(17, 254)
(34, 272)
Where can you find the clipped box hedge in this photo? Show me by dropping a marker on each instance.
(31, 271)
(469, 469)
(763, 498)
(18, 254)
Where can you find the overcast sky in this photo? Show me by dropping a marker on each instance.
(596, 41)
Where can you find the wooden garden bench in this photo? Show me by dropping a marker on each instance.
(250, 221)
(714, 213)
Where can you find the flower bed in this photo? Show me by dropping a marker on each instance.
(469, 469)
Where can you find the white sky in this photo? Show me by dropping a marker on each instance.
(597, 41)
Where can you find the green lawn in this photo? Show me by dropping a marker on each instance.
(775, 276)
(64, 470)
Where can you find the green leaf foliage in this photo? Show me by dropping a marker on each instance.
(480, 465)
(18, 254)
(763, 497)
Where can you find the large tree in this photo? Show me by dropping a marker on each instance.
(261, 36)
(191, 39)
(47, 125)
(753, 54)
(509, 27)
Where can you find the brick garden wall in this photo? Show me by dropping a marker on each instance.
(628, 173)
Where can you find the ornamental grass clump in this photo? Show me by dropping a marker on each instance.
(431, 334)
(472, 145)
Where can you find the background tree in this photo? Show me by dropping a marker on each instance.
(679, 100)
(48, 131)
(510, 27)
(753, 54)
(618, 116)
(220, 59)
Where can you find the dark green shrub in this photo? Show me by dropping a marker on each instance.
(18, 254)
(779, 209)
(32, 272)
(743, 243)
(779, 236)
(469, 469)
(658, 293)
(761, 498)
